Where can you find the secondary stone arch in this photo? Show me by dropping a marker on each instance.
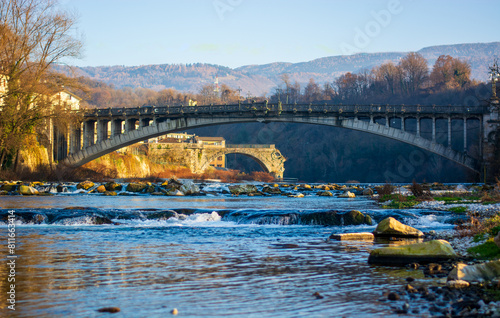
(269, 159)
(223, 153)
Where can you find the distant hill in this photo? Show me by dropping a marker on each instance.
(261, 79)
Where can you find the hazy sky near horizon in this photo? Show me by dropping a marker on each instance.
(241, 32)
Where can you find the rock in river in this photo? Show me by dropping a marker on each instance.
(113, 186)
(486, 271)
(363, 236)
(136, 187)
(390, 227)
(428, 252)
(242, 189)
(27, 190)
(85, 185)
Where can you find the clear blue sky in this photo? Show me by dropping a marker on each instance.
(241, 32)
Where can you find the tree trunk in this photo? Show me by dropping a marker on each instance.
(16, 161)
(2, 159)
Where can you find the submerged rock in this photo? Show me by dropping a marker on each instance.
(428, 252)
(336, 218)
(162, 215)
(479, 272)
(109, 309)
(390, 227)
(364, 236)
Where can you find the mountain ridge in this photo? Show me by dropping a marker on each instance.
(260, 79)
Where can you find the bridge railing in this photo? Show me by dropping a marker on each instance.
(286, 108)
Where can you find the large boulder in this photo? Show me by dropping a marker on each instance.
(347, 194)
(27, 190)
(271, 190)
(85, 185)
(113, 186)
(325, 194)
(9, 186)
(368, 191)
(189, 188)
(479, 272)
(136, 187)
(171, 184)
(242, 189)
(428, 252)
(355, 217)
(390, 227)
(101, 189)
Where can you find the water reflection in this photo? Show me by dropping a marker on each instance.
(201, 271)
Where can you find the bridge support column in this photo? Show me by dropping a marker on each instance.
(102, 130)
(434, 129)
(386, 121)
(130, 124)
(116, 127)
(144, 122)
(88, 133)
(418, 126)
(465, 135)
(403, 123)
(75, 139)
(449, 132)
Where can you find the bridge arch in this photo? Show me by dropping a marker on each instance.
(268, 158)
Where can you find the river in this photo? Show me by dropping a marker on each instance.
(210, 256)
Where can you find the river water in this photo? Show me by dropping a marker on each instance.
(211, 256)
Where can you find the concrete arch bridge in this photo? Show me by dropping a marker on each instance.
(105, 130)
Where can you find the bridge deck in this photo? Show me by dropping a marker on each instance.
(358, 110)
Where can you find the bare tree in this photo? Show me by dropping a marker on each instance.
(414, 72)
(34, 35)
(387, 75)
